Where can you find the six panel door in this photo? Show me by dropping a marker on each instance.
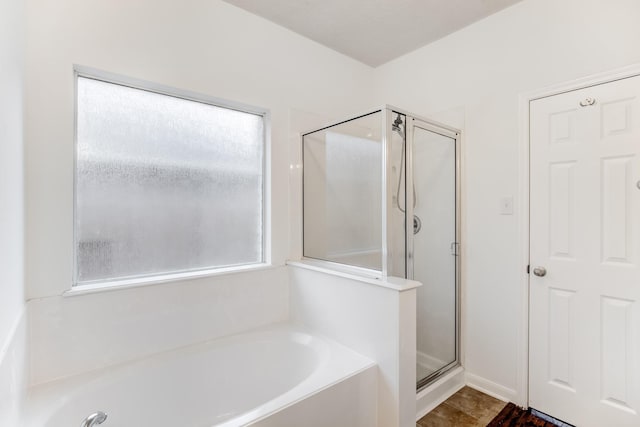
(584, 345)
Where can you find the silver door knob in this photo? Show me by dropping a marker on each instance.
(540, 271)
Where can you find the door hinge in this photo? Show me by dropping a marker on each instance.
(455, 248)
(528, 269)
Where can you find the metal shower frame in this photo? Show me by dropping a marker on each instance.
(411, 121)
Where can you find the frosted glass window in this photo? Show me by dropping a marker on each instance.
(164, 184)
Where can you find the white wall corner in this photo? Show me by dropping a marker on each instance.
(407, 329)
(489, 387)
(14, 373)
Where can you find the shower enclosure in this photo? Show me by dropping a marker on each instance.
(364, 180)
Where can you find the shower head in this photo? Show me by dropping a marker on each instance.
(396, 125)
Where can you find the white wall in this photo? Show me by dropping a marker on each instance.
(204, 46)
(481, 70)
(12, 319)
(11, 168)
(71, 335)
(14, 372)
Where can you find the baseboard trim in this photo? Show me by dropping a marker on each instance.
(436, 393)
(489, 387)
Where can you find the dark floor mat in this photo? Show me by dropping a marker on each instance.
(512, 416)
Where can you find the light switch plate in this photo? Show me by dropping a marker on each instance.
(506, 205)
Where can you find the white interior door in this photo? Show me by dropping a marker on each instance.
(584, 346)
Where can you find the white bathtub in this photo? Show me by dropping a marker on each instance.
(274, 377)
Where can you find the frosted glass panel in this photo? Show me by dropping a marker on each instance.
(343, 193)
(164, 184)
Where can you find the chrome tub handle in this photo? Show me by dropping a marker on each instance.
(94, 419)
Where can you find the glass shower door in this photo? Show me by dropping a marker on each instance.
(434, 247)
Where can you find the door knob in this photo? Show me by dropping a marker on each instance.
(540, 271)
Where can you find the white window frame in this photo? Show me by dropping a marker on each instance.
(119, 283)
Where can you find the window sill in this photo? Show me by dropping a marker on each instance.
(114, 285)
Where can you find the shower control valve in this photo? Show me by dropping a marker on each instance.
(417, 224)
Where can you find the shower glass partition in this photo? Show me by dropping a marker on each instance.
(434, 244)
(344, 217)
(362, 179)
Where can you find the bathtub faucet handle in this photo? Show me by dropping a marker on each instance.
(94, 419)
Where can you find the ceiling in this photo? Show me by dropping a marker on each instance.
(373, 31)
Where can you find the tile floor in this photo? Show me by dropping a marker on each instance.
(466, 408)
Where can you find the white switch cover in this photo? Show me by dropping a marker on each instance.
(506, 205)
